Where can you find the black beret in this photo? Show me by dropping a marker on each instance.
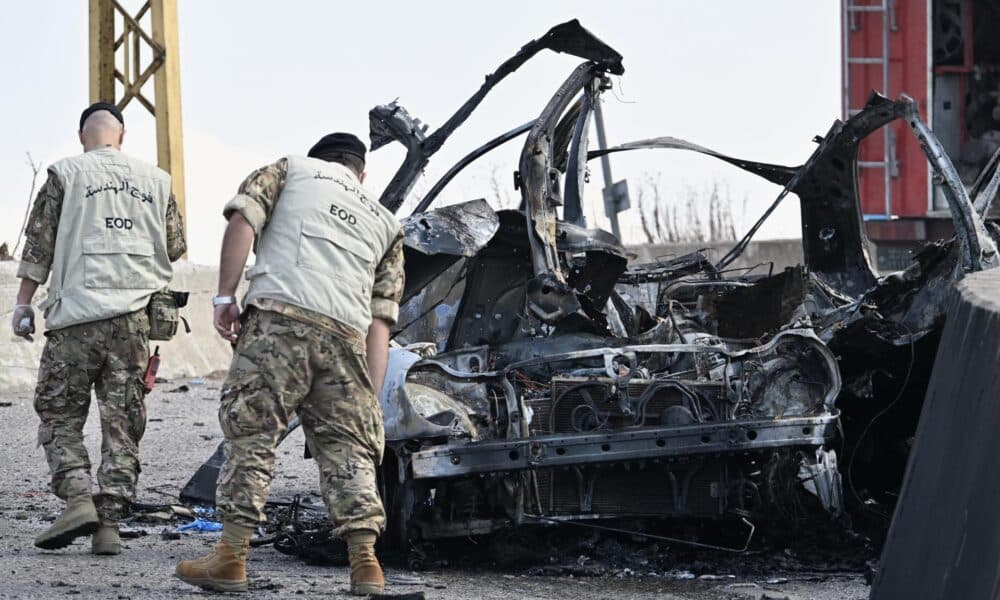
(337, 144)
(96, 106)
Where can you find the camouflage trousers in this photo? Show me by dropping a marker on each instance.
(109, 355)
(281, 367)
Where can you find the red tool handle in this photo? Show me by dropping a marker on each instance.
(151, 368)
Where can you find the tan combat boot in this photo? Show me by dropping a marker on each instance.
(78, 519)
(225, 570)
(106, 541)
(366, 573)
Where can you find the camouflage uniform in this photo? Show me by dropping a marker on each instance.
(109, 355)
(291, 360)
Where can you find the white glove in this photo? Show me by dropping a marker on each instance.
(23, 323)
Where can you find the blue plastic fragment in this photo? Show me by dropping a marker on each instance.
(200, 525)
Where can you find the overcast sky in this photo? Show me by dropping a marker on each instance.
(261, 79)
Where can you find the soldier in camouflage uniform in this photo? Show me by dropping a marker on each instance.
(106, 258)
(312, 341)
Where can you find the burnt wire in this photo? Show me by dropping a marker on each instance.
(879, 415)
(563, 394)
(686, 393)
(597, 417)
(746, 270)
(751, 269)
(528, 382)
(791, 184)
(593, 407)
(621, 88)
(699, 281)
(746, 545)
(740, 246)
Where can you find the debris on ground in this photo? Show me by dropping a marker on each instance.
(570, 412)
(200, 525)
(169, 534)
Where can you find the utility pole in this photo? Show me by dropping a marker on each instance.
(146, 51)
(615, 194)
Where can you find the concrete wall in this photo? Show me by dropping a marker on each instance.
(783, 253)
(195, 355)
(203, 351)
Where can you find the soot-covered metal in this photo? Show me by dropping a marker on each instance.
(541, 379)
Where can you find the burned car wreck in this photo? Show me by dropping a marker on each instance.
(541, 379)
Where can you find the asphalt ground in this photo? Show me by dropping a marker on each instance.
(183, 431)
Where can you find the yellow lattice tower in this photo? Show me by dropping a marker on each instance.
(158, 47)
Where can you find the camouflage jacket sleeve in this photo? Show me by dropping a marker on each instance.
(176, 239)
(389, 280)
(257, 194)
(40, 234)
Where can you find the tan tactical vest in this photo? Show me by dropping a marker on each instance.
(111, 244)
(320, 248)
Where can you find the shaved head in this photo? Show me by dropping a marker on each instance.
(101, 129)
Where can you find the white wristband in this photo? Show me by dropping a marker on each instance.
(223, 300)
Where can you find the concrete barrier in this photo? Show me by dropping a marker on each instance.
(783, 253)
(943, 542)
(195, 355)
